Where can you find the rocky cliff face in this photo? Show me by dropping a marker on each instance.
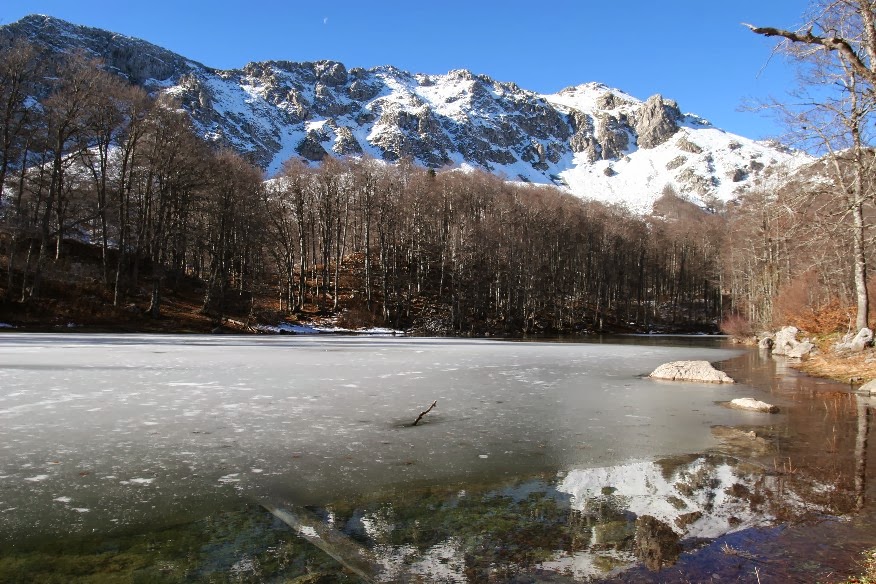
(139, 61)
(594, 140)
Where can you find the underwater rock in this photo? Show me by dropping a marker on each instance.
(738, 440)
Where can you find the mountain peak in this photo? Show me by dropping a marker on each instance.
(592, 139)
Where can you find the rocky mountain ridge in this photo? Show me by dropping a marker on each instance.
(596, 141)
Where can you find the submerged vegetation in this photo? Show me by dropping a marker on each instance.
(246, 545)
(518, 530)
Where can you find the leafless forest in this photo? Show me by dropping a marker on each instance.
(110, 196)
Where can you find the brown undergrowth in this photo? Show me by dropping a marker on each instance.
(854, 369)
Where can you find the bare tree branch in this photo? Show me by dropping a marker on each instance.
(833, 43)
(420, 417)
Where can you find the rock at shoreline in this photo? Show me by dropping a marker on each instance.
(801, 350)
(699, 371)
(855, 343)
(786, 344)
(765, 343)
(751, 404)
(786, 339)
(868, 388)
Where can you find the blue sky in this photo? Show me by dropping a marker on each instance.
(695, 52)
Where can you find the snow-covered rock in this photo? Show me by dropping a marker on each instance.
(595, 141)
(749, 403)
(700, 371)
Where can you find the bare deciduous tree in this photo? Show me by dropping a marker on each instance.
(836, 50)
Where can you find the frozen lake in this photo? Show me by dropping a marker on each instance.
(116, 424)
(129, 433)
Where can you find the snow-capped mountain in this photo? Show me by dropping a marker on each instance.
(594, 140)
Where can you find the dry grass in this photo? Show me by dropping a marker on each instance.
(855, 368)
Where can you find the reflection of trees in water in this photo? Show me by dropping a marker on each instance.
(817, 433)
(863, 404)
(808, 463)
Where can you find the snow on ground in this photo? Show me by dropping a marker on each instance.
(306, 329)
(584, 97)
(701, 163)
(638, 179)
(691, 162)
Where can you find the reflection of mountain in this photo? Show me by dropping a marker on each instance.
(592, 522)
(705, 497)
(586, 523)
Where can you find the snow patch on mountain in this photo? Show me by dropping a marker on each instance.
(593, 140)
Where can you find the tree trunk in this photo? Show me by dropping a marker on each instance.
(860, 269)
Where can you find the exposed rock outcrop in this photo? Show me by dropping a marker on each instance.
(331, 73)
(686, 145)
(346, 144)
(699, 371)
(311, 149)
(137, 60)
(657, 121)
(613, 135)
(676, 162)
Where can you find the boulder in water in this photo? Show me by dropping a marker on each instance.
(751, 404)
(699, 371)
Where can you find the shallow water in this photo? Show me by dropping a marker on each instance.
(538, 462)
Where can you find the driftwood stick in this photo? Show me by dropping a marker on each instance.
(420, 417)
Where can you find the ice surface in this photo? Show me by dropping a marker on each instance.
(129, 426)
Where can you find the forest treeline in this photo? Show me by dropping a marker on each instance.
(86, 157)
